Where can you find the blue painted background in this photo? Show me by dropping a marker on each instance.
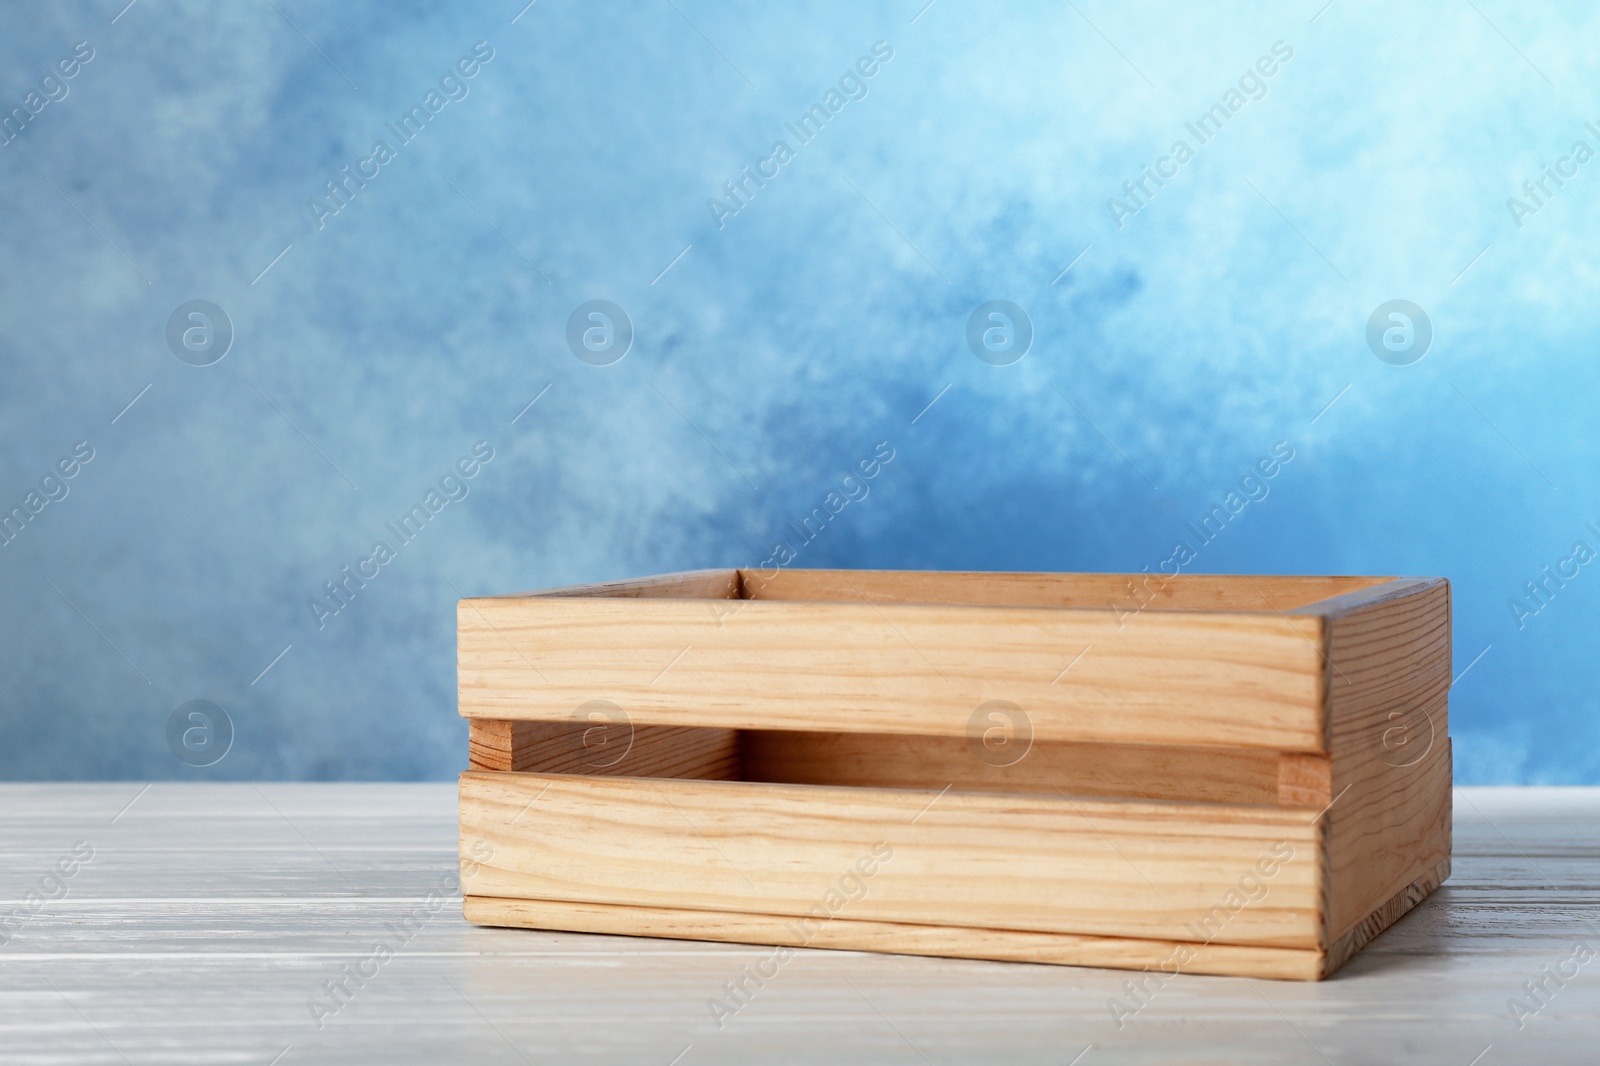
(1201, 322)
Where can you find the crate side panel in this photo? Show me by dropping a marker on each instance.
(1389, 684)
(1168, 871)
(1176, 678)
(1358, 936)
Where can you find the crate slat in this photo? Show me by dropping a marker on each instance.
(1029, 863)
(1229, 679)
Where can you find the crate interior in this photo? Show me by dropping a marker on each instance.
(602, 746)
(1191, 592)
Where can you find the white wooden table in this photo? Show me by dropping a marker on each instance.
(211, 918)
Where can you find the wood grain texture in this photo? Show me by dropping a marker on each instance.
(1042, 768)
(604, 746)
(211, 913)
(1176, 678)
(901, 938)
(1388, 689)
(1111, 868)
(1304, 781)
(1125, 592)
(1363, 932)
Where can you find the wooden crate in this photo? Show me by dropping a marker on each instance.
(1233, 775)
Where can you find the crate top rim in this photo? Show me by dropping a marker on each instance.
(690, 586)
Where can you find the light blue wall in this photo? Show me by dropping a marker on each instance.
(1219, 318)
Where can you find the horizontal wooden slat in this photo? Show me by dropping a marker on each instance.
(1177, 678)
(903, 938)
(1137, 869)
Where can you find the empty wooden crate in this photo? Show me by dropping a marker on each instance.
(1235, 775)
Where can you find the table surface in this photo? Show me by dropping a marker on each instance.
(209, 919)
